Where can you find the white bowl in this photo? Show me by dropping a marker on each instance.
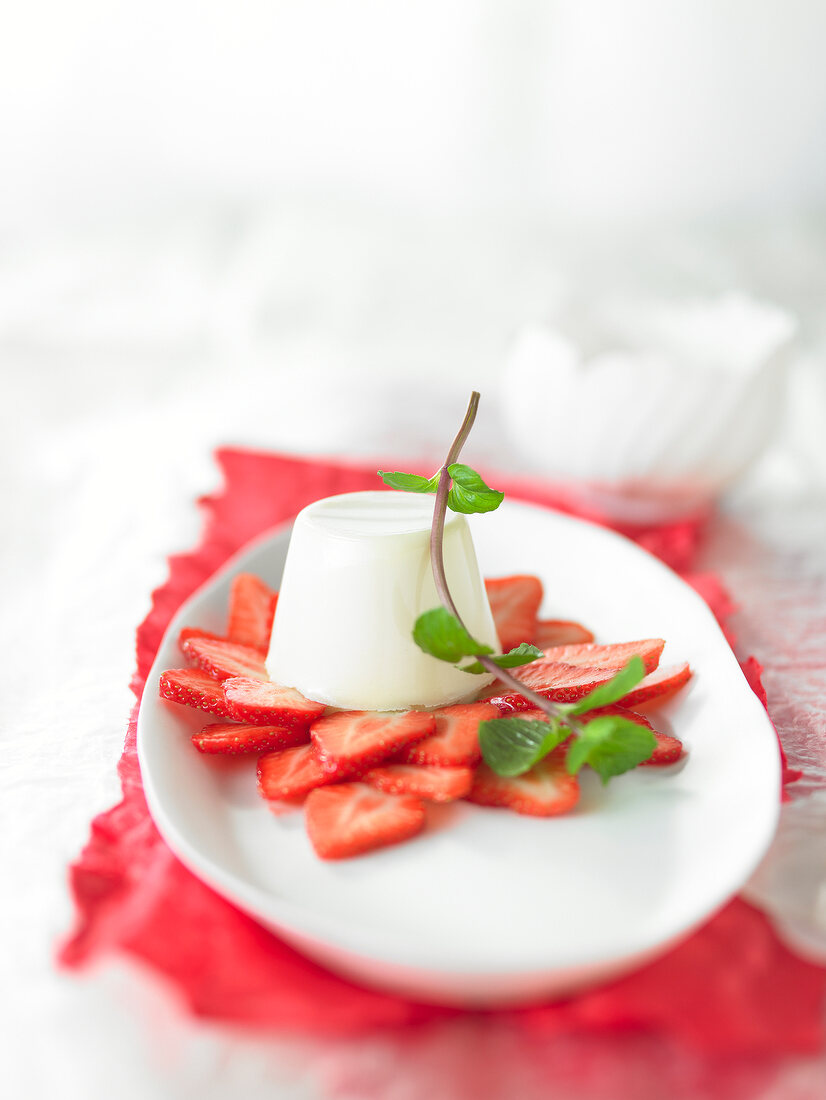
(487, 907)
(649, 409)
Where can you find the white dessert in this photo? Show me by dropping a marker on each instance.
(357, 577)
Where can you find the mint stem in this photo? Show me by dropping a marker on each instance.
(437, 534)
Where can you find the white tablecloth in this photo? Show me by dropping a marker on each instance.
(127, 355)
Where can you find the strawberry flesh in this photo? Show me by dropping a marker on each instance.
(231, 738)
(348, 819)
(456, 740)
(514, 604)
(658, 685)
(352, 740)
(262, 703)
(192, 687)
(432, 784)
(544, 791)
(606, 656)
(223, 659)
(553, 632)
(251, 610)
(559, 682)
(290, 773)
(190, 632)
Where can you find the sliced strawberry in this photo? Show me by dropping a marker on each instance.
(263, 703)
(545, 790)
(352, 740)
(189, 632)
(348, 819)
(432, 784)
(658, 685)
(232, 738)
(290, 773)
(556, 681)
(456, 740)
(606, 656)
(251, 610)
(222, 659)
(192, 687)
(514, 603)
(668, 751)
(553, 632)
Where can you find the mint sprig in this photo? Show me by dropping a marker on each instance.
(610, 744)
(468, 492)
(511, 746)
(442, 635)
(522, 654)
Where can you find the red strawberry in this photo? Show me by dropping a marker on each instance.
(290, 773)
(556, 681)
(352, 740)
(432, 784)
(606, 656)
(552, 632)
(545, 790)
(232, 738)
(194, 688)
(456, 740)
(668, 751)
(189, 632)
(263, 703)
(514, 603)
(658, 685)
(348, 819)
(251, 610)
(223, 659)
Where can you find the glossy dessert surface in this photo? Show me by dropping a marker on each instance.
(357, 577)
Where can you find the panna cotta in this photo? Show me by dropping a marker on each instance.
(356, 578)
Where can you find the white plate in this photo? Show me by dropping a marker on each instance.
(487, 906)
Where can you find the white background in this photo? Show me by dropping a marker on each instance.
(315, 226)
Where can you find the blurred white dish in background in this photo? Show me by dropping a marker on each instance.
(649, 408)
(358, 575)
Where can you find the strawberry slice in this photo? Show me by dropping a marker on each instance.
(544, 791)
(251, 610)
(456, 740)
(348, 819)
(605, 656)
(514, 604)
(192, 687)
(668, 751)
(432, 784)
(231, 738)
(559, 682)
(290, 773)
(658, 685)
(263, 703)
(553, 632)
(352, 740)
(222, 659)
(189, 632)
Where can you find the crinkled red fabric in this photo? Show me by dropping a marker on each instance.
(730, 987)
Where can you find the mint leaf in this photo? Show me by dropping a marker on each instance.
(469, 493)
(441, 635)
(612, 690)
(511, 746)
(611, 745)
(523, 654)
(409, 483)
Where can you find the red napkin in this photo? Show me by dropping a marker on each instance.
(731, 987)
